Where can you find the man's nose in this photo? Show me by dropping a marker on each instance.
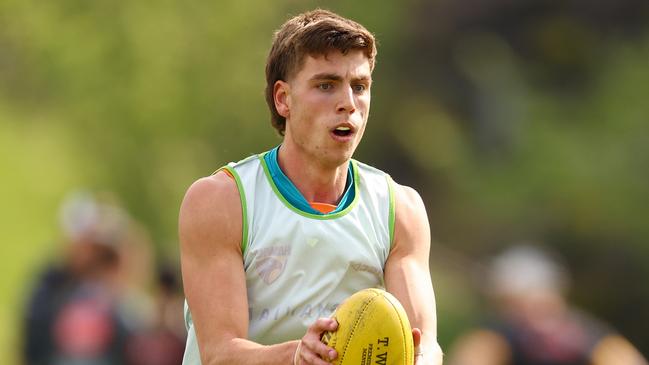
(347, 103)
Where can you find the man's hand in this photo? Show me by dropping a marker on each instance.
(310, 350)
(431, 356)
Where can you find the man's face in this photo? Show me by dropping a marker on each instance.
(328, 104)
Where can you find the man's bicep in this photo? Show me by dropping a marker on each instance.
(210, 226)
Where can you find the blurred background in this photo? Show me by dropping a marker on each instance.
(517, 121)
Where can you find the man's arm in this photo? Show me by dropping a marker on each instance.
(407, 274)
(210, 229)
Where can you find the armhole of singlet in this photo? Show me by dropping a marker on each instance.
(391, 213)
(228, 170)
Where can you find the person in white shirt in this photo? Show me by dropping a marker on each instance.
(272, 244)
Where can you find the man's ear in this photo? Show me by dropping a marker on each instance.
(282, 98)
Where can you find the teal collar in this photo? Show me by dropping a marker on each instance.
(293, 195)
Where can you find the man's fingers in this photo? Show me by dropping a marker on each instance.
(306, 356)
(315, 346)
(313, 351)
(322, 325)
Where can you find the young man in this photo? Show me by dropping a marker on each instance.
(272, 244)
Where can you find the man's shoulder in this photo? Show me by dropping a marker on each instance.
(408, 199)
(210, 193)
(408, 202)
(210, 212)
(372, 176)
(405, 190)
(369, 168)
(219, 189)
(247, 160)
(213, 186)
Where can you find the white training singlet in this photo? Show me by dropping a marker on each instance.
(300, 266)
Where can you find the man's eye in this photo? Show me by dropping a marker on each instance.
(325, 86)
(359, 88)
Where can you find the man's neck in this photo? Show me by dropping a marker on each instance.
(316, 182)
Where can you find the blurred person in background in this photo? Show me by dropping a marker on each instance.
(161, 341)
(72, 314)
(534, 324)
(94, 305)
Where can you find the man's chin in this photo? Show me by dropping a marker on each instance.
(342, 159)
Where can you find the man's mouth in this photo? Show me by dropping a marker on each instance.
(342, 131)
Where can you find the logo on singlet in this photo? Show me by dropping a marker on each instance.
(270, 262)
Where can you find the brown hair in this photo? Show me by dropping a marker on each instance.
(313, 33)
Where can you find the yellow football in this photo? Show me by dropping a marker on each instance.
(373, 329)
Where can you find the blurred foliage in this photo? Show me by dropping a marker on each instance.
(515, 121)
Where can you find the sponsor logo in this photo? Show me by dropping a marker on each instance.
(282, 312)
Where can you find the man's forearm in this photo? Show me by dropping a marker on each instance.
(244, 352)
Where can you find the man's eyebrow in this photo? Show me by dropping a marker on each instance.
(335, 77)
(326, 76)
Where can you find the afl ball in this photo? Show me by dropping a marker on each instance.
(373, 329)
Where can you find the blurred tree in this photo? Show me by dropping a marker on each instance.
(548, 123)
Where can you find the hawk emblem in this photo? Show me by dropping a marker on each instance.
(270, 263)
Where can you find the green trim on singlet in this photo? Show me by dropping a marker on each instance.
(244, 207)
(392, 208)
(341, 213)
